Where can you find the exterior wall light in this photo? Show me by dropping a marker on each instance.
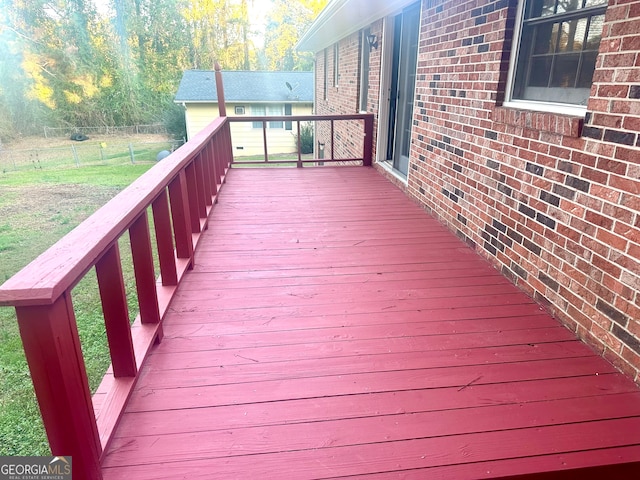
(372, 40)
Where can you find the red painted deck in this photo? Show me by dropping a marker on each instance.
(330, 328)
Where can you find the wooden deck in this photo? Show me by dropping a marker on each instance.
(330, 328)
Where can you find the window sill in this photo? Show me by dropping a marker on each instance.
(565, 124)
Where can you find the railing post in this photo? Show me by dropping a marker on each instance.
(52, 348)
(222, 107)
(367, 154)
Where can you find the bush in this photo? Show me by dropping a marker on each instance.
(306, 138)
(174, 121)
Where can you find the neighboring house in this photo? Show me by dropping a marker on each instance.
(516, 123)
(250, 94)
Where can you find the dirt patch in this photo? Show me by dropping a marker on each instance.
(34, 217)
(42, 199)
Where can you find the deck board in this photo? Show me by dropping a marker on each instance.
(331, 328)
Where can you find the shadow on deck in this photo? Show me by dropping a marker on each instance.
(330, 328)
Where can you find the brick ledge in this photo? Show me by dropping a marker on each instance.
(566, 125)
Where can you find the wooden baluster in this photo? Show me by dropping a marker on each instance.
(206, 170)
(264, 141)
(228, 146)
(299, 164)
(116, 313)
(52, 348)
(332, 141)
(202, 189)
(181, 216)
(367, 154)
(212, 166)
(144, 269)
(217, 160)
(192, 194)
(164, 239)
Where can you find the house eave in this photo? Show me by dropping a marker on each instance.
(341, 18)
(232, 102)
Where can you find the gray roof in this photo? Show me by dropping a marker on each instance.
(243, 86)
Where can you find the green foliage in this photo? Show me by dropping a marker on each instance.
(85, 189)
(174, 122)
(306, 138)
(68, 63)
(287, 22)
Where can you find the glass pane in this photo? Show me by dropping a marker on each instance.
(595, 3)
(540, 71)
(546, 38)
(541, 8)
(595, 33)
(572, 35)
(585, 77)
(568, 5)
(257, 111)
(565, 70)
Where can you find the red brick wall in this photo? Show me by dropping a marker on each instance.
(552, 204)
(345, 97)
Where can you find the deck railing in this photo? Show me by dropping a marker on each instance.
(180, 192)
(367, 136)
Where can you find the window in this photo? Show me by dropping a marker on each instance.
(365, 51)
(258, 111)
(273, 110)
(288, 111)
(239, 110)
(326, 74)
(559, 41)
(336, 64)
(270, 110)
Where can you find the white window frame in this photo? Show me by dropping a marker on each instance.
(268, 110)
(551, 107)
(336, 64)
(365, 68)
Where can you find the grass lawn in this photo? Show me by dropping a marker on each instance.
(37, 207)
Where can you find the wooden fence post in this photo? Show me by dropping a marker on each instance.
(132, 154)
(75, 155)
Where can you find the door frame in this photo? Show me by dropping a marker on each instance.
(384, 100)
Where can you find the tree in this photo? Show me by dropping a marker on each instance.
(219, 31)
(287, 22)
(67, 62)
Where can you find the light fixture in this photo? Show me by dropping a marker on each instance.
(372, 40)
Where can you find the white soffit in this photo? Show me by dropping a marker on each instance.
(341, 18)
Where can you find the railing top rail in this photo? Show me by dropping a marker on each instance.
(301, 118)
(60, 267)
